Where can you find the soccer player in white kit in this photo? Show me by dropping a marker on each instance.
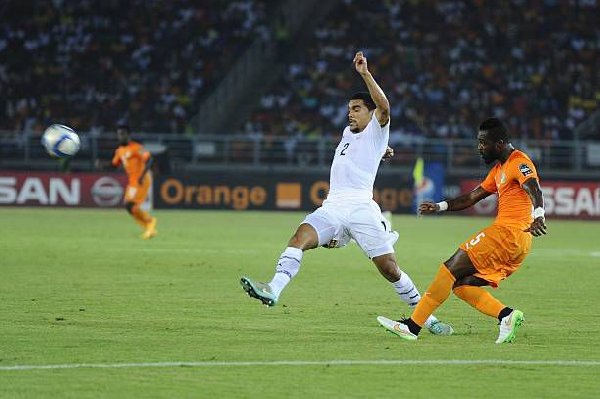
(349, 210)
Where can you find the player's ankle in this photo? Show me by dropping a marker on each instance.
(504, 312)
(412, 326)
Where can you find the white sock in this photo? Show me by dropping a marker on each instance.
(287, 267)
(407, 291)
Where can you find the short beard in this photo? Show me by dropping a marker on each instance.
(489, 160)
(355, 130)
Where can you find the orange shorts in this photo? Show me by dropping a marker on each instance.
(136, 192)
(497, 251)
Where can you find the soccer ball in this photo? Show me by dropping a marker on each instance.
(60, 141)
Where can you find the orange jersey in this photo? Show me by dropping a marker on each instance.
(133, 156)
(514, 205)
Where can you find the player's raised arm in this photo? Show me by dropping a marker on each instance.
(99, 164)
(532, 188)
(457, 204)
(382, 112)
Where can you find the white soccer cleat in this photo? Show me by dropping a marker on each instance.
(437, 327)
(509, 325)
(260, 291)
(396, 327)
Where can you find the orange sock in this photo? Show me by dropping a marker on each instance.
(138, 220)
(436, 294)
(145, 216)
(480, 299)
(140, 216)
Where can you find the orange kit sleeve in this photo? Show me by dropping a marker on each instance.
(489, 184)
(522, 169)
(116, 159)
(145, 154)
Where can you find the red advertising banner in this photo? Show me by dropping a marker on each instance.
(563, 199)
(59, 189)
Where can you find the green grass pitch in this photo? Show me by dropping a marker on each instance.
(79, 286)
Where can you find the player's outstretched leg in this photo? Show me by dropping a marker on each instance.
(287, 267)
(454, 271)
(406, 290)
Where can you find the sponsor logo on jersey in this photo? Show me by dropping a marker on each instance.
(525, 169)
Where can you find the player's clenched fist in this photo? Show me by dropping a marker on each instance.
(389, 153)
(360, 63)
(428, 207)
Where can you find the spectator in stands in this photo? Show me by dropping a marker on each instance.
(90, 63)
(455, 63)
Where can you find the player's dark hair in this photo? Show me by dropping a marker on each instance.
(366, 97)
(495, 129)
(124, 127)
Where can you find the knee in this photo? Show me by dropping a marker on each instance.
(295, 241)
(129, 206)
(300, 240)
(459, 265)
(304, 238)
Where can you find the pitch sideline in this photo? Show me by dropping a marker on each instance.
(302, 363)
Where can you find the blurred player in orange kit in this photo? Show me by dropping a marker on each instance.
(136, 161)
(494, 253)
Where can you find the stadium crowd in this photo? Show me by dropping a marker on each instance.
(93, 64)
(445, 65)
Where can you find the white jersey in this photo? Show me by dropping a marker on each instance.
(356, 162)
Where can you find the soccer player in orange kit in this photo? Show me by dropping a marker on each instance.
(495, 252)
(136, 161)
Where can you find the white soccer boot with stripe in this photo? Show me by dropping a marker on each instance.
(396, 327)
(509, 325)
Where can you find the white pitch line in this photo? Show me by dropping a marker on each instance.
(303, 363)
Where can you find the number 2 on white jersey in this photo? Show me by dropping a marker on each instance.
(345, 148)
(475, 240)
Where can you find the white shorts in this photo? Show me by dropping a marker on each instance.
(336, 223)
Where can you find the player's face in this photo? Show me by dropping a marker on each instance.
(122, 136)
(358, 115)
(488, 149)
